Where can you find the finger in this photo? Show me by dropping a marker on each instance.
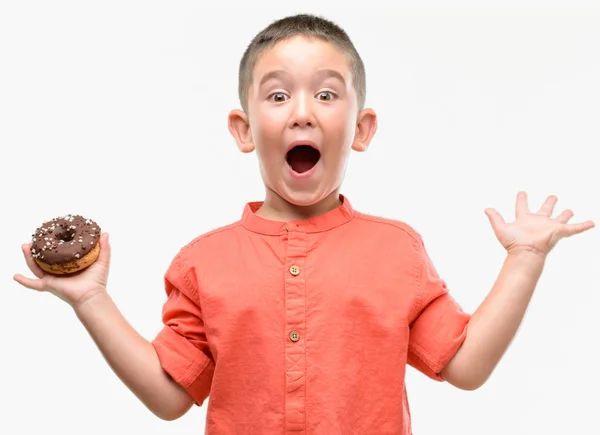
(104, 257)
(547, 207)
(522, 207)
(496, 220)
(33, 266)
(573, 229)
(564, 217)
(34, 284)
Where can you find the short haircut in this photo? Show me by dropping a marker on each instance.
(307, 25)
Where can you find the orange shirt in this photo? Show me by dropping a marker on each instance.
(306, 327)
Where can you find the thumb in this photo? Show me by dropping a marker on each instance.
(104, 257)
(495, 218)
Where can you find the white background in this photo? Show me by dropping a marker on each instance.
(118, 111)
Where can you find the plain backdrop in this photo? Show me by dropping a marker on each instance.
(118, 111)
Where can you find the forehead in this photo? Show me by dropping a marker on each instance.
(302, 55)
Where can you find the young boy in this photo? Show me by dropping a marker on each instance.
(302, 316)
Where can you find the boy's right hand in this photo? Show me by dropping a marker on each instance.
(73, 289)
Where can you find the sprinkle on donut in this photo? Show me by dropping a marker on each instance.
(64, 239)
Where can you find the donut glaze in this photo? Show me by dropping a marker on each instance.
(66, 244)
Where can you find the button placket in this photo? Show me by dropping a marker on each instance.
(295, 347)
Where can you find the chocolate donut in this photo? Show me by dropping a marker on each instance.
(66, 244)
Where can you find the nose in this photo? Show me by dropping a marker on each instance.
(302, 112)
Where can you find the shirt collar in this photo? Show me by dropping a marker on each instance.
(326, 221)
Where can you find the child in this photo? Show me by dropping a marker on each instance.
(302, 316)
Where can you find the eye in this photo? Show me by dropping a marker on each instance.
(328, 96)
(278, 97)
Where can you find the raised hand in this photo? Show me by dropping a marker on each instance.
(537, 232)
(74, 288)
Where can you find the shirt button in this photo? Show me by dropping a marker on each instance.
(294, 336)
(294, 270)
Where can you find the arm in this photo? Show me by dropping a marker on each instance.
(496, 321)
(133, 359)
(492, 327)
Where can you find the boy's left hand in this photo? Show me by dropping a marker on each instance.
(537, 232)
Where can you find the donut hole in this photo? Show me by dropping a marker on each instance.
(65, 235)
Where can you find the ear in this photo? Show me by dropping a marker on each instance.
(240, 130)
(366, 126)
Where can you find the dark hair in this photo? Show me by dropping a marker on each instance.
(311, 26)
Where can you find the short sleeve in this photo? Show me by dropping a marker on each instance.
(439, 324)
(181, 344)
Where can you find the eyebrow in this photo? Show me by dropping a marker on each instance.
(272, 75)
(326, 73)
(332, 73)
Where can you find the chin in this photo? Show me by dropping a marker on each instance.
(303, 199)
(299, 198)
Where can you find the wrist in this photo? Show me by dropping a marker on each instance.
(526, 261)
(89, 299)
(526, 253)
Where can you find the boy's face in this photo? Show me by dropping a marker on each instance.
(303, 119)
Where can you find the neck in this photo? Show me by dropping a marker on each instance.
(278, 209)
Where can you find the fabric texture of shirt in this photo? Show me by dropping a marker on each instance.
(306, 327)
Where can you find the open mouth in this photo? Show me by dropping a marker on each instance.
(302, 158)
